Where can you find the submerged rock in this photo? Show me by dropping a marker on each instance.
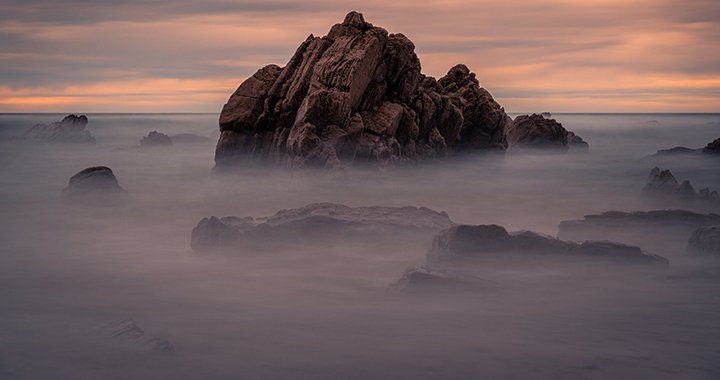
(94, 183)
(712, 148)
(189, 138)
(356, 96)
(537, 132)
(126, 332)
(462, 244)
(314, 222)
(421, 280)
(705, 241)
(156, 138)
(70, 129)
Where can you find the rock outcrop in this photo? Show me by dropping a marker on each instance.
(537, 132)
(189, 138)
(423, 280)
(129, 334)
(70, 129)
(357, 96)
(466, 244)
(712, 148)
(315, 222)
(94, 183)
(156, 138)
(705, 241)
(664, 187)
(677, 151)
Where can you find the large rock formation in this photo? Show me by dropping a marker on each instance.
(712, 148)
(94, 183)
(156, 138)
(314, 222)
(705, 240)
(537, 132)
(70, 129)
(357, 96)
(129, 334)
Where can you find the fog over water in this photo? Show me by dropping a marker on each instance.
(317, 310)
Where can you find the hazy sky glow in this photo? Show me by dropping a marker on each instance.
(188, 56)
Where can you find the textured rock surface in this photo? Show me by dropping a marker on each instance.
(705, 240)
(468, 243)
(156, 138)
(538, 132)
(712, 148)
(126, 332)
(70, 129)
(97, 182)
(356, 96)
(315, 221)
(421, 280)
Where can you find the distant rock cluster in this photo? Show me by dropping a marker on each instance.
(357, 96)
(156, 138)
(70, 130)
(664, 186)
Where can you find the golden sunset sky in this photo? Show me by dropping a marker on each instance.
(188, 56)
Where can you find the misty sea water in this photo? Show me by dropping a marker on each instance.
(317, 311)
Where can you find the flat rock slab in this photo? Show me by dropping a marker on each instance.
(316, 221)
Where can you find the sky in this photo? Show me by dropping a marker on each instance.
(86, 56)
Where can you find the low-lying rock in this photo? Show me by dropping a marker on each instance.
(705, 241)
(423, 279)
(460, 244)
(537, 132)
(129, 334)
(156, 138)
(677, 151)
(94, 183)
(313, 222)
(70, 129)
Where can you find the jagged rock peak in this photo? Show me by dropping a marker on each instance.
(356, 95)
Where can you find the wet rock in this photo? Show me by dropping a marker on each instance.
(94, 183)
(129, 334)
(70, 129)
(535, 131)
(463, 244)
(712, 148)
(189, 138)
(677, 151)
(423, 280)
(705, 241)
(156, 138)
(356, 96)
(316, 222)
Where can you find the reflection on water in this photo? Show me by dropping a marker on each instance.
(319, 310)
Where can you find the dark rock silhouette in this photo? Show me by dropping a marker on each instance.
(189, 138)
(576, 142)
(70, 129)
(538, 132)
(313, 222)
(357, 96)
(156, 138)
(94, 183)
(546, 115)
(462, 244)
(712, 148)
(422, 280)
(664, 187)
(129, 334)
(677, 151)
(705, 241)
